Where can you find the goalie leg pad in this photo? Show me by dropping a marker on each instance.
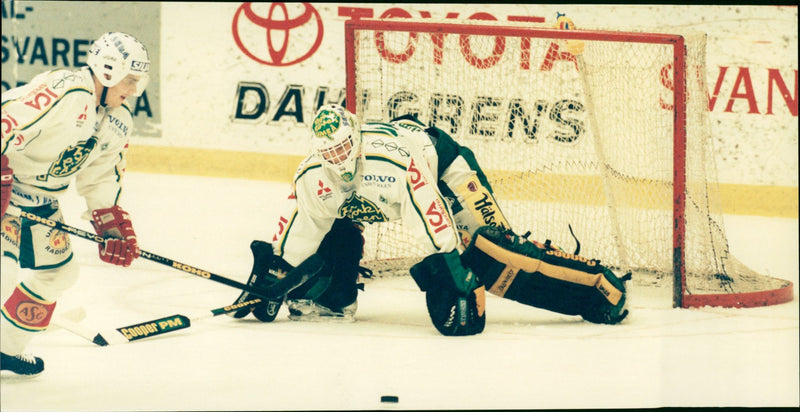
(336, 287)
(547, 278)
(454, 297)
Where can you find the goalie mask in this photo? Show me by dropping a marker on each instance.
(116, 55)
(337, 140)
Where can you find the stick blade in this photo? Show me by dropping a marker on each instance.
(154, 327)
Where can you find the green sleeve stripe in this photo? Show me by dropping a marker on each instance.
(118, 172)
(47, 189)
(289, 225)
(126, 107)
(306, 169)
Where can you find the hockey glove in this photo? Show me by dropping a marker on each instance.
(454, 296)
(6, 180)
(114, 225)
(267, 269)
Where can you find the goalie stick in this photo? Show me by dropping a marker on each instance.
(296, 277)
(149, 256)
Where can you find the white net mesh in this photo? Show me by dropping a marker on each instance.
(589, 148)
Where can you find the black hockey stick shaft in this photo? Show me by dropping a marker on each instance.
(268, 294)
(296, 277)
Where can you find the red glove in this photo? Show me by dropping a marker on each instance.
(121, 246)
(6, 180)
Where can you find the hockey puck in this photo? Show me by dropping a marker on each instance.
(389, 399)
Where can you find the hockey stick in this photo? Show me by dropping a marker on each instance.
(145, 329)
(151, 256)
(296, 277)
(169, 323)
(142, 330)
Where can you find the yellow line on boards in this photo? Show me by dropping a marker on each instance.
(212, 163)
(738, 199)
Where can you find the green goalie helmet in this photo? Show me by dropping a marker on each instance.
(336, 138)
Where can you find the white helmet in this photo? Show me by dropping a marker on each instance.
(337, 140)
(115, 55)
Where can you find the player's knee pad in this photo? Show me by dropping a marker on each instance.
(454, 297)
(530, 273)
(337, 284)
(51, 283)
(9, 276)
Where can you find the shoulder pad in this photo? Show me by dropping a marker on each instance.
(392, 146)
(63, 81)
(309, 163)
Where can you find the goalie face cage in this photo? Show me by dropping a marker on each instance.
(604, 131)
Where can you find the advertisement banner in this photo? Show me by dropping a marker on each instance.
(233, 77)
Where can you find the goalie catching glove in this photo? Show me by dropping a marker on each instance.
(114, 225)
(454, 296)
(545, 277)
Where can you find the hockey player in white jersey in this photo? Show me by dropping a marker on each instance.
(400, 170)
(63, 125)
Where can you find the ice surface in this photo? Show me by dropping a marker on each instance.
(525, 359)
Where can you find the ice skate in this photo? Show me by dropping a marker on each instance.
(310, 311)
(21, 365)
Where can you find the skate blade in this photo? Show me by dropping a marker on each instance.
(322, 318)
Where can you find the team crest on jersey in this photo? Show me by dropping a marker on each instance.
(361, 209)
(326, 124)
(71, 159)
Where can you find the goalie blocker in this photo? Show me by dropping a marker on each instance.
(545, 277)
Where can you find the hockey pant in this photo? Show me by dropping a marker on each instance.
(28, 305)
(544, 277)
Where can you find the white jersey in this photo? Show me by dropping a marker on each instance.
(395, 180)
(52, 131)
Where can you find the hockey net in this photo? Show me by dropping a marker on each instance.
(601, 131)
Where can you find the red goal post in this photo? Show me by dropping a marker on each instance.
(632, 105)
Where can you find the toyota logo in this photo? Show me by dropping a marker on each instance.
(281, 38)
